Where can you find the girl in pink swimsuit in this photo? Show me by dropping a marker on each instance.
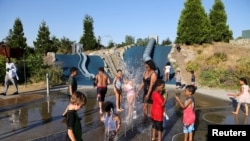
(129, 88)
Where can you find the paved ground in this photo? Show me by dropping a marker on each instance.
(139, 130)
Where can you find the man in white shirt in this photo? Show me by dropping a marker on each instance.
(11, 76)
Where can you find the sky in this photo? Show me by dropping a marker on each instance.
(113, 19)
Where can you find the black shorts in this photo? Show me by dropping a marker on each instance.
(102, 91)
(158, 125)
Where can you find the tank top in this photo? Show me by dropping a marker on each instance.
(189, 113)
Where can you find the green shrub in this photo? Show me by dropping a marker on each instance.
(220, 56)
(192, 66)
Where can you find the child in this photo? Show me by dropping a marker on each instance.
(72, 85)
(192, 78)
(117, 85)
(166, 70)
(189, 116)
(77, 100)
(178, 78)
(243, 97)
(165, 96)
(129, 88)
(157, 109)
(112, 121)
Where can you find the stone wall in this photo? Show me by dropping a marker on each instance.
(240, 42)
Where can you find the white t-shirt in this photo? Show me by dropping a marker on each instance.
(167, 68)
(12, 70)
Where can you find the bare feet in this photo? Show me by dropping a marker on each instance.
(118, 110)
(235, 113)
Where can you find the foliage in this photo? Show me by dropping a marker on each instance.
(43, 43)
(166, 42)
(129, 40)
(16, 37)
(218, 19)
(213, 75)
(193, 26)
(2, 71)
(192, 66)
(88, 39)
(141, 42)
(65, 46)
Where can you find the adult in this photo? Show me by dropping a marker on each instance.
(148, 80)
(101, 82)
(10, 76)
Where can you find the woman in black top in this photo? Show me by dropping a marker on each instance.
(148, 80)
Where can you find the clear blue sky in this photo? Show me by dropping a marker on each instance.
(113, 19)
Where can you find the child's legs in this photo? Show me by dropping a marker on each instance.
(120, 99)
(237, 109)
(188, 132)
(159, 128)
(159, 135)
(153, 130)
(185, 136)
(130, 103)
(246, 109)
(117, 100)
(190, 136)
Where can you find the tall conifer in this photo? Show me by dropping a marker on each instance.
(193, 26)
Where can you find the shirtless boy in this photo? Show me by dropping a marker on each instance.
(101, 82)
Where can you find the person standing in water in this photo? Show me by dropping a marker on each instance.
(72, 85)
(101, 82)
(243, 97)
(129, 89)
(111, 120)
(148, 80)
(189, 115)
(117, 85)
(157, 110)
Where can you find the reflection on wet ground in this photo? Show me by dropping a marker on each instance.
(36, 117)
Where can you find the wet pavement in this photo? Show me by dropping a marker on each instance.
(35, 117)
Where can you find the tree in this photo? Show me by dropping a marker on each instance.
(43, 43)
(65, 46)
(166, 42)
(218, 19)
(142, 42)
(16, 37)
(88, 39)
(193, 26)
(129, 40)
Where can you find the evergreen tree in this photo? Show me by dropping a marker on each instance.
(166, 42)
(193, 25)
(66, 46)
(218, 18)
(129, 40)
(16, 36)
(88, 39)
(8, 38)
(142, 42)
(43, 43)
